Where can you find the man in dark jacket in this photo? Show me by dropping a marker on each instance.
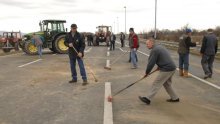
(122, 38)
(89, 39)
(183, 51)
(160, 56)
(208, 50)
(74, 40)
(112, 41)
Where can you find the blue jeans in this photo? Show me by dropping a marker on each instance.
(73, 67)
(133, 57)
(184, 61)
(39, 50)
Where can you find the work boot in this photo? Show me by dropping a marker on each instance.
(145, 100)
(85, 82)
(208, 76)
(134, 67)
(73, 81)
(185, 73)
(181, 72)
(173, 100)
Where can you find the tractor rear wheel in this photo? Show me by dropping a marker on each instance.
(30, 48)
(59, 45)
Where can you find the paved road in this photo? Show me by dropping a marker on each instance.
(39, 92)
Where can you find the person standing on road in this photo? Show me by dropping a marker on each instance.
(161, 57)
(38, 42)
(112, 40)
(208, 51)
(134, 44)
(89, 39)
(183, 51)
(74, 40)
(108, 36)
(122, 38)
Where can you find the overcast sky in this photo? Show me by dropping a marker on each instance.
(25, 15)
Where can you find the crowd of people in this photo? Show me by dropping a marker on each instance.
(159, 56)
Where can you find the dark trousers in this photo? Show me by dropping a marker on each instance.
(73, 59)
(89, 43)
(184, 61)
(112, 47)
(122, 43)
(207, 63)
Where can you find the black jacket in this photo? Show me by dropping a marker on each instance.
(78, 43)
(209, 45)
(114, 38)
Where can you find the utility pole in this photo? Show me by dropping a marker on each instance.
(114, 27)
(125, 19)
(155, 28)
(117, 25)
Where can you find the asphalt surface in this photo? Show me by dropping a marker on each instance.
(39, 93)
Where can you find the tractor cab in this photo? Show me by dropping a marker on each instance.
(51, 27)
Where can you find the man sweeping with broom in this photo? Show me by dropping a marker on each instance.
(76, 45)
(160, 56)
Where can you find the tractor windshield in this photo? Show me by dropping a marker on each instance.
(58, 27)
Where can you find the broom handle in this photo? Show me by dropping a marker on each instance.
(134, 83)
(87, 66)
(75, 50)
(118, 58)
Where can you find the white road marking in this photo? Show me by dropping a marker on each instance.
(143, 53)
(108, 114)
(202, 80)
(88, 50)
(29, 63)
(121, 49)
(108, 63)
(108, 53)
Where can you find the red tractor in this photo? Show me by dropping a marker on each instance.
(10, 40)
(102, 33)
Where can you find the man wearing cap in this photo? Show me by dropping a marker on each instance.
(133, 44)
(74, 40)
(208, 50)
(183, 51)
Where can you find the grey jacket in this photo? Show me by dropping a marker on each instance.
(161, 57)
(209, 44)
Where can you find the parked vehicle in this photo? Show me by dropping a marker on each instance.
(103, 32)
(10, 40)
(53, 32)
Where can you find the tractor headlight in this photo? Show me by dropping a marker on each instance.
(25, 38)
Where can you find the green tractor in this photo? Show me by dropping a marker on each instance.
(53, 32)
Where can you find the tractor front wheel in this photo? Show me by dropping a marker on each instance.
(30, 48)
